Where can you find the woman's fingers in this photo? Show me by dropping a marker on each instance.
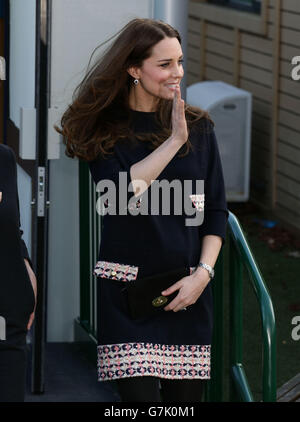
(176, 107)
(175, 103)
(171, 289)
(30, 322)
(179, 126)
(177, 304)
(176, 301)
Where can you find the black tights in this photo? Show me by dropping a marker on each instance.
(146, 389)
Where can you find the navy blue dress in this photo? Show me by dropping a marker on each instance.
(173, 345)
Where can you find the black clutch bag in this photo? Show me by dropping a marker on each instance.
(144, 295)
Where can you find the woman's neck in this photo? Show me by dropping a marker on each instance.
(140, 102)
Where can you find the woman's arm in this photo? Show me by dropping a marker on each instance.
(145, 171)
(212, 232)
(211, 246)
(191, 287)
(34, 286)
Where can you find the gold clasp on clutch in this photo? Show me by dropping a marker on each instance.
(159, 301)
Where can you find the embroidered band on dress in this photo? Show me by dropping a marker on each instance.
(122, 272)
(115, 271)
(160, 360)
(198, 201)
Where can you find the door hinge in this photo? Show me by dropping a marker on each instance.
(41, 192)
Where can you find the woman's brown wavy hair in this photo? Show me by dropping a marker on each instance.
(99, 114)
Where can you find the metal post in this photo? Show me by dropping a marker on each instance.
(175, 13)
(40, 245)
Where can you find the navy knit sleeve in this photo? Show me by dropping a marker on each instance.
(215, 209)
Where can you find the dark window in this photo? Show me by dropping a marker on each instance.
(246, 5)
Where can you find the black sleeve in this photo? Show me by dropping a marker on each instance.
(215, 208)
(24, 250)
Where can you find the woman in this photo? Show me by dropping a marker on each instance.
(17, 285)
(128, 116)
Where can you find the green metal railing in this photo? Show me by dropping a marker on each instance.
(240, 256)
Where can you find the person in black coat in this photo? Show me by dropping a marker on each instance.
(17, 285)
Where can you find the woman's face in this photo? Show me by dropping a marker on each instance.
(158, 76)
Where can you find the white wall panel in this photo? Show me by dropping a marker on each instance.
(22, 57)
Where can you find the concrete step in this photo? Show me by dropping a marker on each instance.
(290, 391)
(70, 375)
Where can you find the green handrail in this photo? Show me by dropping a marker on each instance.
(265, 305)
(240, 256)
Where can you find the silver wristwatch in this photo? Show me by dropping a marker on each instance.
(208, 268)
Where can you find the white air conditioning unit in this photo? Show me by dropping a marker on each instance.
(231, 110)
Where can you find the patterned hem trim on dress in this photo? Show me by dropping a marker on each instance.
(116, 271)
(147, 359)
(121, 272)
